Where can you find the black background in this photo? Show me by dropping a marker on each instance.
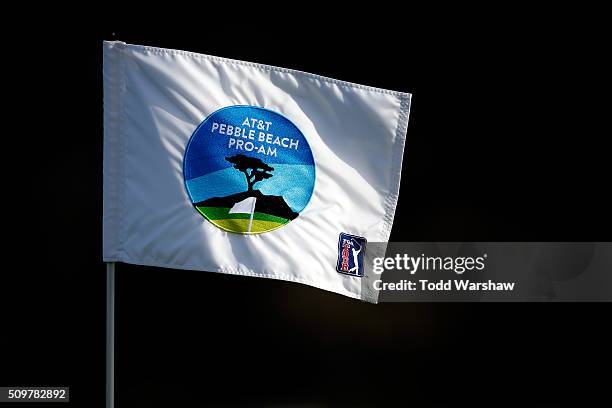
(503, 144)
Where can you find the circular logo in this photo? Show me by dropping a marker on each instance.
(248, 169)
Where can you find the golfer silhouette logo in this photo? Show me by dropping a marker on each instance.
(351, 249)
(356, 262)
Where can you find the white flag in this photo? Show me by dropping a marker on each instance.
(192, 142)
(246, 206)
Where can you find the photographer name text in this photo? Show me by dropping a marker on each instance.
(443, 285)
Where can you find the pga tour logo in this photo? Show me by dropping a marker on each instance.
(350, 254)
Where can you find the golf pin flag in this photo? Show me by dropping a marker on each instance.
(246, 206)
(227, 166)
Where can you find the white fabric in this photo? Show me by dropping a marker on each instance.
(246, 206)
(153, 101)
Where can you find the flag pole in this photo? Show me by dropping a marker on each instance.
(251, 220)
(110, 335)
(252, 213)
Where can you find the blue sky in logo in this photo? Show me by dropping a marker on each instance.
(207, 173)
(207, 149)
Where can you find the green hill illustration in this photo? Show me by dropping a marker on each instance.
(270, 211)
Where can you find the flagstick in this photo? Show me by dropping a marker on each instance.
(251, 220)
(110, 335)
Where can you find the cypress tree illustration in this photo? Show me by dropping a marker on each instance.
(253, 169)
